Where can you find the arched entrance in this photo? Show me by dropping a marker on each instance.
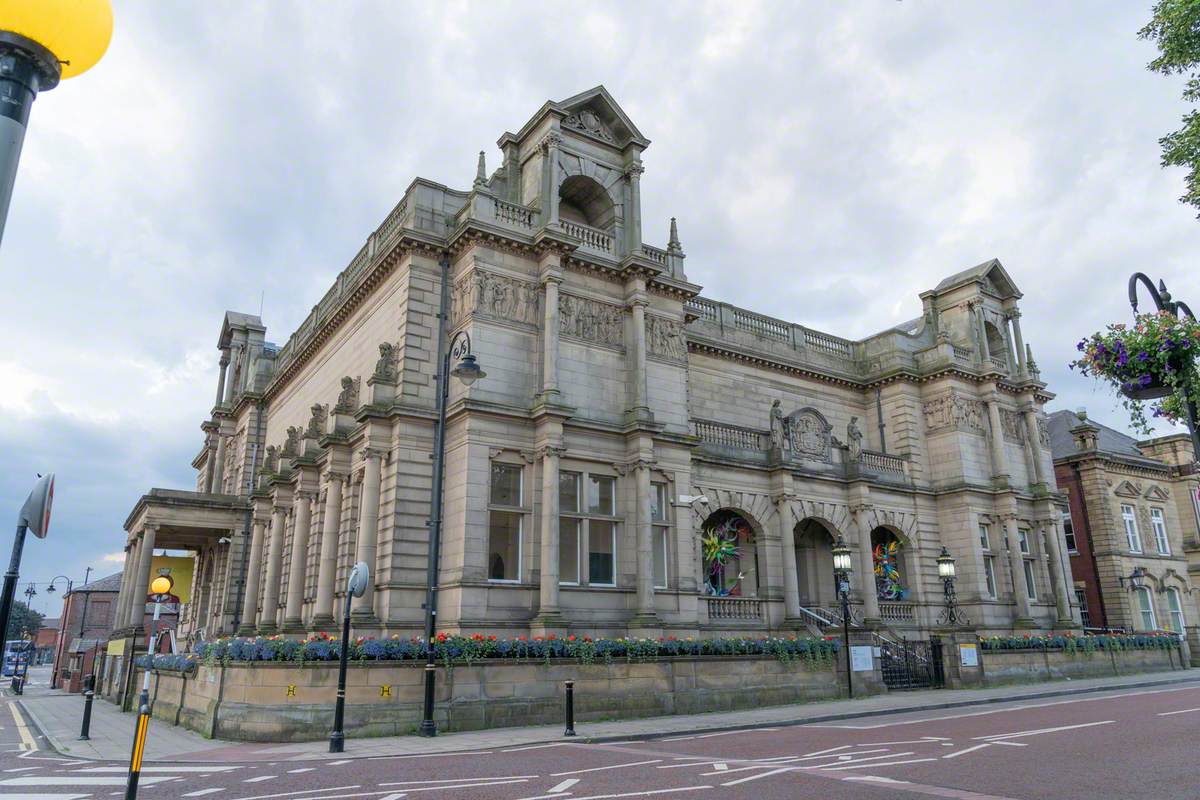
(584, 201)
(814, 563)
(728, 550)
(892, 578)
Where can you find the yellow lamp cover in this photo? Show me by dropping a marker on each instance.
(161, 585)
(77, 32)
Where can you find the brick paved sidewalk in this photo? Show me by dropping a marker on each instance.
(57, 716)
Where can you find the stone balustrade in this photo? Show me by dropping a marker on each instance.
(735, 608)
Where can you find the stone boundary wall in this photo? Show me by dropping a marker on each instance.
(1003, 667)
(285, 702)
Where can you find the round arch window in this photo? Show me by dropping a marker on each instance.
(730, 560)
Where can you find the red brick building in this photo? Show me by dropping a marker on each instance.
(87, 617)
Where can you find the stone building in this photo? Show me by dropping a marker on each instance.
(639, 459)
(1133, 508)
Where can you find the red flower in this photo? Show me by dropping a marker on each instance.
(571, 638)
(492, 638)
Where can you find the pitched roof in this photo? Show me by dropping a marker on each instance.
(110, 584)
(992, 271)
(1109, 441)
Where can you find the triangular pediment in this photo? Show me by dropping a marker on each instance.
(991, 274)
(1127, 489)
(1157, 493)
(595, 114)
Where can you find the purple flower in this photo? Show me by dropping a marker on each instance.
(1145, 380)
(1080, 347)
(1142, 356)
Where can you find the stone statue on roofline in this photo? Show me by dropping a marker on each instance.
(853, 440)
(347, 402)
(778, 436)
(385, 367)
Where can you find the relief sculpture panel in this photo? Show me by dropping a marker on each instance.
(590, 320)
(955, 411)
(664, 338)
(496, 296)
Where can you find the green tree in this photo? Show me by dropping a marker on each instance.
(23, 618)
(1175, 29)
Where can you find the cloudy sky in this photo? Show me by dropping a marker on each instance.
(826, 162)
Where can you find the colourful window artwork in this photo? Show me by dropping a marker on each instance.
(727, 544)
(888, 580)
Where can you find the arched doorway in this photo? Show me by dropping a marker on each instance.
(892, 579)
(996, 343)
(585, 202)
(814, 563)
(729, 553)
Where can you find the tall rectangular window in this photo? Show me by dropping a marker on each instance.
(1146, 609)
(1023, 540)
(989, 574)
(506, 518)
(985, 538)
(587, 529)
(660, 521)
(1069, 534)
(1084, 616)
(1030, 584)
(1175, 609)
(1159, 524)
(1131, 531)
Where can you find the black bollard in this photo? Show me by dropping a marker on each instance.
(570, 731)
(89, 683)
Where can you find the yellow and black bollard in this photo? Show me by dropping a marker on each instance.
(139, 747)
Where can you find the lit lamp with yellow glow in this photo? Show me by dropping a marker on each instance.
(41, 43)
(160, 588)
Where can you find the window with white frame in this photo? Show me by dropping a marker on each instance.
(1159, 524)
(1081, 600)
(1069, 534)
(1131, 531)
(985, 538)
(1023, 541)
(1030, 583)
(1175, 609)
(587, 529)
(660, 518)
(989, 575)
(1146, 608)
(506, 518)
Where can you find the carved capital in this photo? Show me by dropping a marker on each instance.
(303, 495)
(858, 509)
(224, 361)
(550, 450)
(338, 476)
(784, 498)
(367, 453)
(634, 171)
(550, 141)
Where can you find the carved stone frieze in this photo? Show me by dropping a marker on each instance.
(809, 435)
(496, 296)
(1012, 425)
(955, 411)
(590, 320)
(587, 122)
(664, 337)
(1043, 433)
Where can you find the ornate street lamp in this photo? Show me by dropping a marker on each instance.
(951, 614)
(41, 43)
(841, 573)
(1134, 578)
(467, 370)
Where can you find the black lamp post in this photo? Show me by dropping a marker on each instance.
(841, 573)
(355, 586)
(467, 370)
(951, 614)
(1163, 302)
(51, 590)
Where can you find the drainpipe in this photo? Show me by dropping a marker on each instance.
(879, 412)
(1091, 544)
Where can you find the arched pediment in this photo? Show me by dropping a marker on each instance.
(810, 434)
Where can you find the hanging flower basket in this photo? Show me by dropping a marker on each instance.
(1152, 360)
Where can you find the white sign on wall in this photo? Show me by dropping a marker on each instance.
(968, 655)
(861, 659)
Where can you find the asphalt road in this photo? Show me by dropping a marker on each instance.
(1136, 743)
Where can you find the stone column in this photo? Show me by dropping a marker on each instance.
(218, 480)
(135, 558)
(224, 362)
(1062, 600)
(645, 616)
(633, 216)
(996, 440)
(1017, 569)
(1014, 317)
(550, 339)
(639, 408)
(363, 607)
(293, 620)
(791, 581)
(253, 579)
(866, 566)
(550, 171)
(327, 571)
(985, 352)
(122, 614)
(267, 619)
(1029, 414)
(137, 598)
(549, 615)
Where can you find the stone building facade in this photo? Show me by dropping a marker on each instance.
(1132, 506)
(639, 459)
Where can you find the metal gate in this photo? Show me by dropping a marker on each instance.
(912, 665)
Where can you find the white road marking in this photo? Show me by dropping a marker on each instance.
(260, 778)
(841, 755)
(445, 755)
(302, 769)
(67, 780)
(465, 785)
(457, 780)
(832, 764)
(338, 763)
(872, 779)
(1020, 734)
(123, 770)
(970, 749)
(721, 766)
(1180, 711)
(47, 796)
(647, 793)
(598, 769)
(303, 791)
(21, 769)
(202, 792)
(562, 787)
(1011, 744)
(922, 740)
(394, 796)
(758, 776)
(823, 752)
(880, 764)
(689, 764)
(534, 747)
